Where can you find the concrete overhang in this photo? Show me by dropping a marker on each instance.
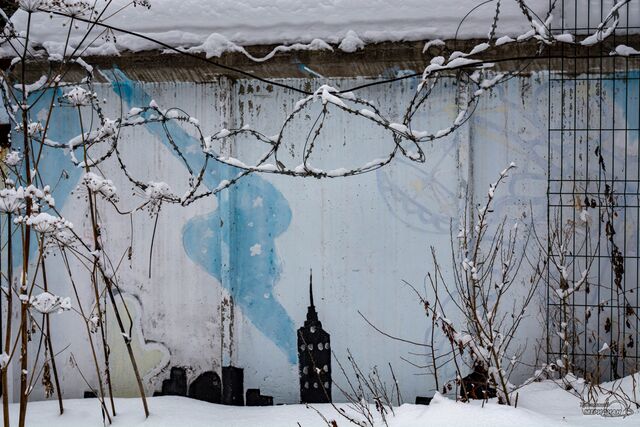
(386, 60)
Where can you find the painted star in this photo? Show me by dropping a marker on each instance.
(256, 249)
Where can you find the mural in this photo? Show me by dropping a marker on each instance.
(254, 243)
(151, 356)
(256, 214)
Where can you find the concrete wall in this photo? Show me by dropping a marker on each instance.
(210, 300)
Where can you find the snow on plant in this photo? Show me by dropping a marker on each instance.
(566, 279)
(4, 360)
(99, 185)
(46, 303)
(493, 293)
(31, 5)
(491, 290)
(79, 96)
(581, 319)
(11, 200)
(12, 158)
(34, 128)
(33, 221)
(156, 192)
(46, 223)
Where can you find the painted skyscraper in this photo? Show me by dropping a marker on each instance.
(314, 357)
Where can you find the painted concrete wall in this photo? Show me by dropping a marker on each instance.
(362, 235)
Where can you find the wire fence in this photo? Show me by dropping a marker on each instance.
(594, 190)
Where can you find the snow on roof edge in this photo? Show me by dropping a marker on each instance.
(228, 25)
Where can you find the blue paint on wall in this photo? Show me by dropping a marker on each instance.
(55, 168)
(256, 213)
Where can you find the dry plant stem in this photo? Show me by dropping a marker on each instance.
(396, 385)
(480, 294)
(25, 248)
(365, 388)
(331, 423)
(7, 343)
(97, 268)
(562, 288)
(127, 341)
(447, 329)
(94, 277)
(433, 330)
(34, 323)
(47, 330)
(478, 324)
(89, 335)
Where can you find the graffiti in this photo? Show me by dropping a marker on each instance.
(207, 387)
(233, 239)
(246, 225)
(426, 201)
(151, 356)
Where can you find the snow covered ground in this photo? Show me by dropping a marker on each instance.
(539, 404)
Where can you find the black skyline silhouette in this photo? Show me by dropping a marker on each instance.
(314, 357)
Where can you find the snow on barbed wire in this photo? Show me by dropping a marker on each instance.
(405, 136)
(135, 111)
(46, 223)
(607, 26)
(81, 62)
(433, 43)
(107, 132)
(330, 96)
(109, 128)
(157, 190)
(33, 87)
(47, 303)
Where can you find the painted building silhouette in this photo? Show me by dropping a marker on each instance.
(314, 357)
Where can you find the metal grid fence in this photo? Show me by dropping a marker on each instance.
(594, 196)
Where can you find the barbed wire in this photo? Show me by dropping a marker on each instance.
(474, 76)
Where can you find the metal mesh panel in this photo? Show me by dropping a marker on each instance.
(593, 191)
